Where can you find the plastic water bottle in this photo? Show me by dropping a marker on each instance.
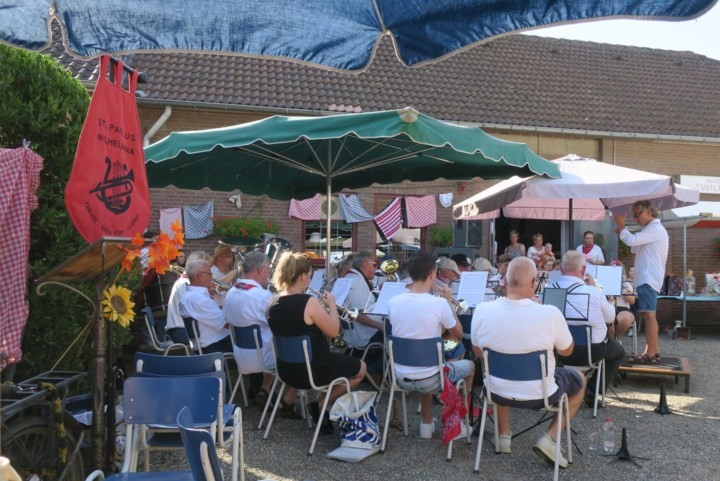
(609, 436)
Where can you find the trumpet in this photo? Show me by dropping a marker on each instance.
(220, 287)
(344, 313)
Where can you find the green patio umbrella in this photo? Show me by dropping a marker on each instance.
(298, 157)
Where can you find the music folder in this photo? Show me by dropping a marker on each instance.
(472, 287)
(387, 292)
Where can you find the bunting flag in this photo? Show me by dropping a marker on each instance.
(389, 220)
(352, 209)
(198, 220)
(420, 211)
(167, 217)
(446, 199)
(307, 209)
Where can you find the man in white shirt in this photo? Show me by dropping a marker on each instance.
(417, 314)
(515, 325)
(587, 300)
(650, 247)
(592, 252)
(365, 329)
(175, 327)
(246, 304)
(197, 303)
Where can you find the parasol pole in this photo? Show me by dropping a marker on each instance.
(328, 182)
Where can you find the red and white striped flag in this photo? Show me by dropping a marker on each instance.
(389, 220)
(420, 211)
(308, 209)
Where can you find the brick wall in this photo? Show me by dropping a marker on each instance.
(664, 157)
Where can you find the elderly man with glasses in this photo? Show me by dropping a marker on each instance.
(650, 247)
(213, 336)
(365, 329)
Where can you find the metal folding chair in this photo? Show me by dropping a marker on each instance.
(248, 337)
(151, 334)
(582, 338)
(418, 353)
(201, 454)
(297, 350)
(529, 366)
(156, 401)
(151, 365)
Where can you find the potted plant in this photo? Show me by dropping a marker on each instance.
(242, 230)
(441, 236)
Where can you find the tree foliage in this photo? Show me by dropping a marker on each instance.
(42, 103)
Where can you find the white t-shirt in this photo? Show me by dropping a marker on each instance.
(535, 252)
(599, 311)
(650, 247)
(174, 317)
(518, 327)
(595, 255)
(418, 316)
(627, 290)
(359, 335)
(246, 306)
(197, 303)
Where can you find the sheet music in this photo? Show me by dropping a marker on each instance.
(591, 269)
(341, 289)
(472, 287)
(318, 279)
(387, 292)
(610, 278)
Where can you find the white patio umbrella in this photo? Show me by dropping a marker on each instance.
(586, 189)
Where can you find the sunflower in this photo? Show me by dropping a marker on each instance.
(117, 305)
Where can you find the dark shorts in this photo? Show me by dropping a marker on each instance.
(647, 298)
(568, 381)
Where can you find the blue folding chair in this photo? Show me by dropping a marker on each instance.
(249, 338)
(201, 453)
(201, 365)
(529, 366)
(297, 350)
(153, 337)
(418, 353)
(581, 333)
(155, 402)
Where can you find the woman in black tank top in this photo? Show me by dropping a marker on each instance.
(294, 313)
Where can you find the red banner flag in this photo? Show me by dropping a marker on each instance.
(107, 194)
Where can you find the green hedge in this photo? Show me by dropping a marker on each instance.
(43, 103)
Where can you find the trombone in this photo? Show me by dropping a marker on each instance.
(220, 287)
(460, 307)
(344, 313)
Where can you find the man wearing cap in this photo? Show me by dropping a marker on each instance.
(448, 275)
(462, 262)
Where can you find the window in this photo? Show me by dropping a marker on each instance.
(404, 243)
(341, 238)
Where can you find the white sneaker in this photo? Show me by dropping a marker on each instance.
(427, 430)
(504, 443)
(545, 448)
(463, 432)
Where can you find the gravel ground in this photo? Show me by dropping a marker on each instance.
(679, 446)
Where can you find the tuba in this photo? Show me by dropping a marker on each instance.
(389, 268)
(274, 248)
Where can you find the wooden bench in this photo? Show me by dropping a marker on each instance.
(669, 366)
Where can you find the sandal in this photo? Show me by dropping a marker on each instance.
(260, 398)
(289, 410)
(644, 359)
